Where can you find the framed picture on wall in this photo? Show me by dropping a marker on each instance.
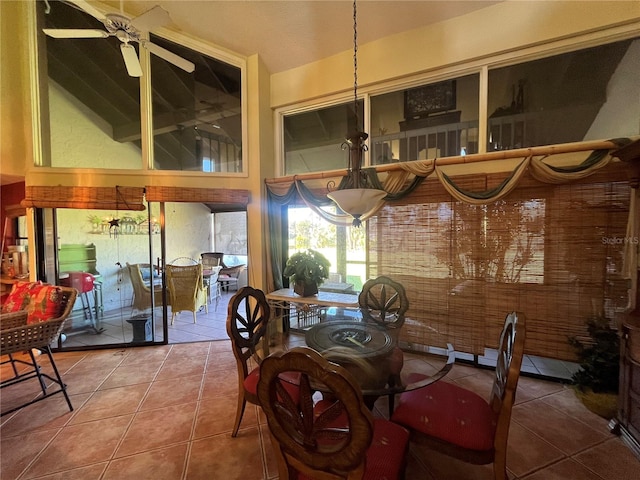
(423, 101)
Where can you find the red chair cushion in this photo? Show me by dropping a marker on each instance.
(251, 385)
(19, 297)
(388, 449)
(45, 304)
(450, 413)
(386, 454)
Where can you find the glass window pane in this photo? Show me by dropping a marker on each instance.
(93, 118)
(312, 139)
(434, 120)
(197, 117)
(590, 94)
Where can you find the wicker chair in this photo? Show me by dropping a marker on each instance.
(142, 292)
(16, 336)
(186, 289)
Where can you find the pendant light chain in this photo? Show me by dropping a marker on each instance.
(355, 65)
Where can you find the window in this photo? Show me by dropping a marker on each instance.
(589, 94)
(312, 139)
(344, 247)
(433, 120)
(197, 117)
(94, 117)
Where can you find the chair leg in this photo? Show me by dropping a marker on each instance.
(194, 316)
(173, 316)
(63, 386)
(500, 467)
(239, 412)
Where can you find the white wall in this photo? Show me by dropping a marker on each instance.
(81, 139)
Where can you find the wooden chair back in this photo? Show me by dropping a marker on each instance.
(384, 301)
(505, 384)
(247, 320)
(327, 442)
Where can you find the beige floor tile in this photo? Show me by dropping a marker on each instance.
(221, 456)
(14, 460)
(90, 472)
(611, 459)
(537, 454)
(166, 463)
(182, 366)
(132, 373)
(169, 392)
(111, 403)
(80, 445)
(217, 414)
(564, 432)
(567, 469)
(566, 401)
(158, 428)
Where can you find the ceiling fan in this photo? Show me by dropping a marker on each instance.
(126, 30)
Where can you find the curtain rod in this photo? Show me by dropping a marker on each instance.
(462, 159)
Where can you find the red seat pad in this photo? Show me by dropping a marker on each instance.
(386, 454)
(291, 386)
(450, 413)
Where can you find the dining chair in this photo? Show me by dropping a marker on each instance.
(384, 302)
(186, 289)
(326, 437)
(462, 424)
(248, 316)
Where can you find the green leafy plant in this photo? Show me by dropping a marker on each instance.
(308, 267)
(599, 357)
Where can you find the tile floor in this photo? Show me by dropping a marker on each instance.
(166, 412)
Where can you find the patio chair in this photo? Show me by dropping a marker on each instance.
(460, 423)
(331, 438)
(35, 328)
(142, 291)
(186, 289)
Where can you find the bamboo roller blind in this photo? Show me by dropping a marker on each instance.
(552, 252)
(100, 198)
(197, 195)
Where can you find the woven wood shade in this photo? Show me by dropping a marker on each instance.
(224, 196)
(97, 198)
(552, 252)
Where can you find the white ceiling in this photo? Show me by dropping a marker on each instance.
(290, 33)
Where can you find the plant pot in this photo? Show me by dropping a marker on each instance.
(305, 289)
(602, 404)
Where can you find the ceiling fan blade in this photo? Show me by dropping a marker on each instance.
(170, 57)
(89, 9)
(156, 17)
(74, 33)
(131, 60)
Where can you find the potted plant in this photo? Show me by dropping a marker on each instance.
(307, 270)
(597, 380)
